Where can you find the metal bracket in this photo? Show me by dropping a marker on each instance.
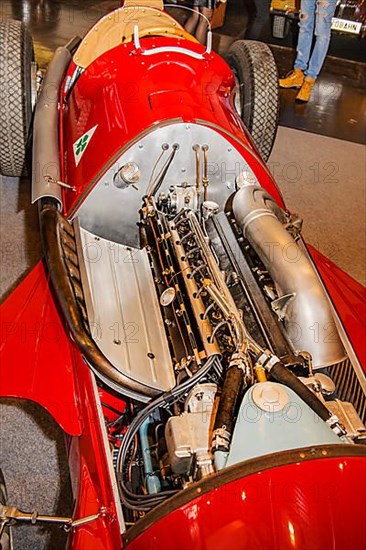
(279, 306)
(11, 515)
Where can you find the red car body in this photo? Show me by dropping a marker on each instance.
(310, 498)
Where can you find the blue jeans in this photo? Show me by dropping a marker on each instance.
(315, 19)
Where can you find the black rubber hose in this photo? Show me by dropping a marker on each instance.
(282, 375)
(231, 391)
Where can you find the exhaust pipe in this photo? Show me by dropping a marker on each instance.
(303, 306)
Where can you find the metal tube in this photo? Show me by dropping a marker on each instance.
(152, 481)
(46, 151)
(306, 312)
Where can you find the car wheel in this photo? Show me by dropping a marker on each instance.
(6, 540)
(281, 26)
(256, 98)
(17, 81)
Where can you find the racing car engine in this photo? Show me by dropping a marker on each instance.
(229, 347)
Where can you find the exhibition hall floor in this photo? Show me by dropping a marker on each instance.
(319, 162)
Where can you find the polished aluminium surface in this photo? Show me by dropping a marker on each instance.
(307, 317)
(124, 314)
(46, 152)
(123, 205)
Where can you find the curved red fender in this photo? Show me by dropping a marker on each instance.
(35, 352)
(349, 299)
(39, 362)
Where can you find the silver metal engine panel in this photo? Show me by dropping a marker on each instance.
(123, 310)
(123, 204)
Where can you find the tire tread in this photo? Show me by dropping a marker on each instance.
(16, 52)
(258, 78)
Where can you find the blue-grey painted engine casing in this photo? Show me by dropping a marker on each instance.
(258, 432)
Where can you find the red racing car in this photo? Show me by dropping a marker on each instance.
(205, 364)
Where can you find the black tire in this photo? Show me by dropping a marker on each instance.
(281, 26)
(255, 70)
(16, 56)
(6, 541)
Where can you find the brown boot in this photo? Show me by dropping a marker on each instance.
(305, 91)
(293, 80)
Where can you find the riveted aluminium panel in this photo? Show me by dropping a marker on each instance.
(124, 312)
(113, 213)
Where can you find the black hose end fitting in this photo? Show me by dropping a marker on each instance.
(284, 376)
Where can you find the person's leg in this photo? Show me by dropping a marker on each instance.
(202, 27)
(192, 21)
(260, 20)
(306, 33)
(324, 14)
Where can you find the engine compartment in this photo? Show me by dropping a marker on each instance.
(215, 340)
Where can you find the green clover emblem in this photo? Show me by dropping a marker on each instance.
(81, 144)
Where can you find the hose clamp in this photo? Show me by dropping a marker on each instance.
(334, 423)
(267, 360)
(221, 439)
